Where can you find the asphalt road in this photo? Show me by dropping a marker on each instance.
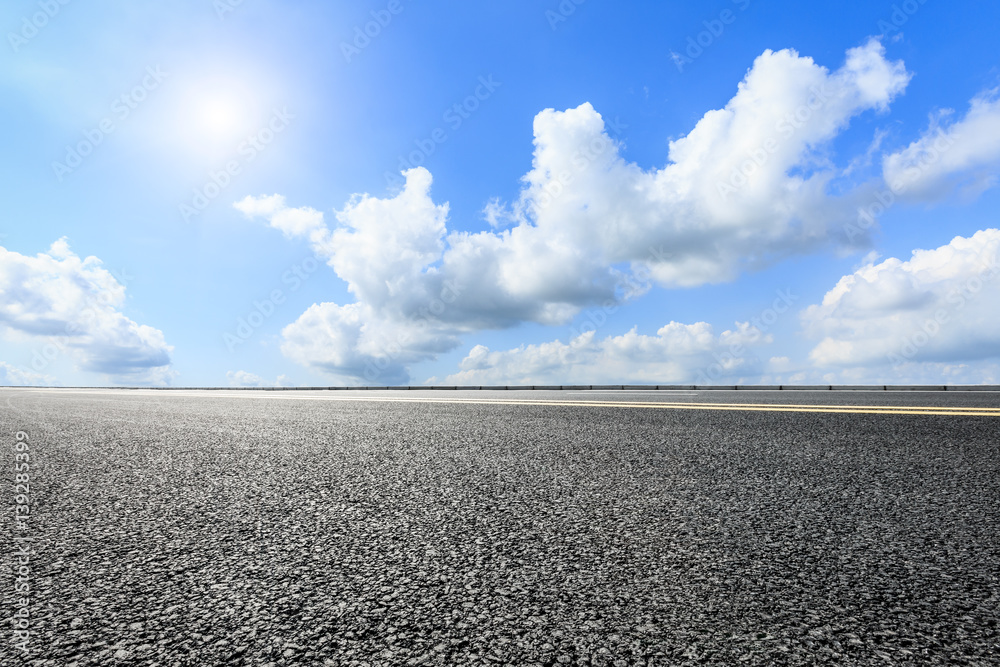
(653, 528)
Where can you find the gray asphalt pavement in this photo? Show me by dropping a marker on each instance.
(299, 528)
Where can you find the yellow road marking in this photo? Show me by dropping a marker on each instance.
(751, 407)
(838, 407)
(967, 411)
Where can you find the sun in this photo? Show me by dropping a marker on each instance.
(208, 112)
(208, 108)
(218, 115)
(215, 115)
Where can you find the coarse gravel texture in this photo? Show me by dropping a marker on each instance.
(209, 530)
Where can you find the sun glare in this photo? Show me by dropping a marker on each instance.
(212, 114)
(219, 115)
(216, 120)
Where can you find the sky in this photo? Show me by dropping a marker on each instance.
(397, 192)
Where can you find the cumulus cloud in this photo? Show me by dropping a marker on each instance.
(678, 353)
(12, 376)
(747, 186)
(939, 307)
(292, 222)
(247, 379)
(355, 343)
(962, 156)
(71, 305)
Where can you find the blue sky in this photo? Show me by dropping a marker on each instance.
(261, 192)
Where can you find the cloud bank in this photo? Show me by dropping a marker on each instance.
(68, 305)
(962, 156)
(247, 379)
(751, 183)
(12, 376)
(678, 353)
(937, 307)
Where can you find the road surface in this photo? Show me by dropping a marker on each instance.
(504, 528)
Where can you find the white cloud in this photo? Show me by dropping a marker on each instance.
(751, 183)
(678, 353)
(920, 372)
(244, 379)
(291, 221)
(746, 187)
(354, 344)
(496, 215)
(66, 304)
(939, 307)
(12, 376)
(964, 155)
(247, 379)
